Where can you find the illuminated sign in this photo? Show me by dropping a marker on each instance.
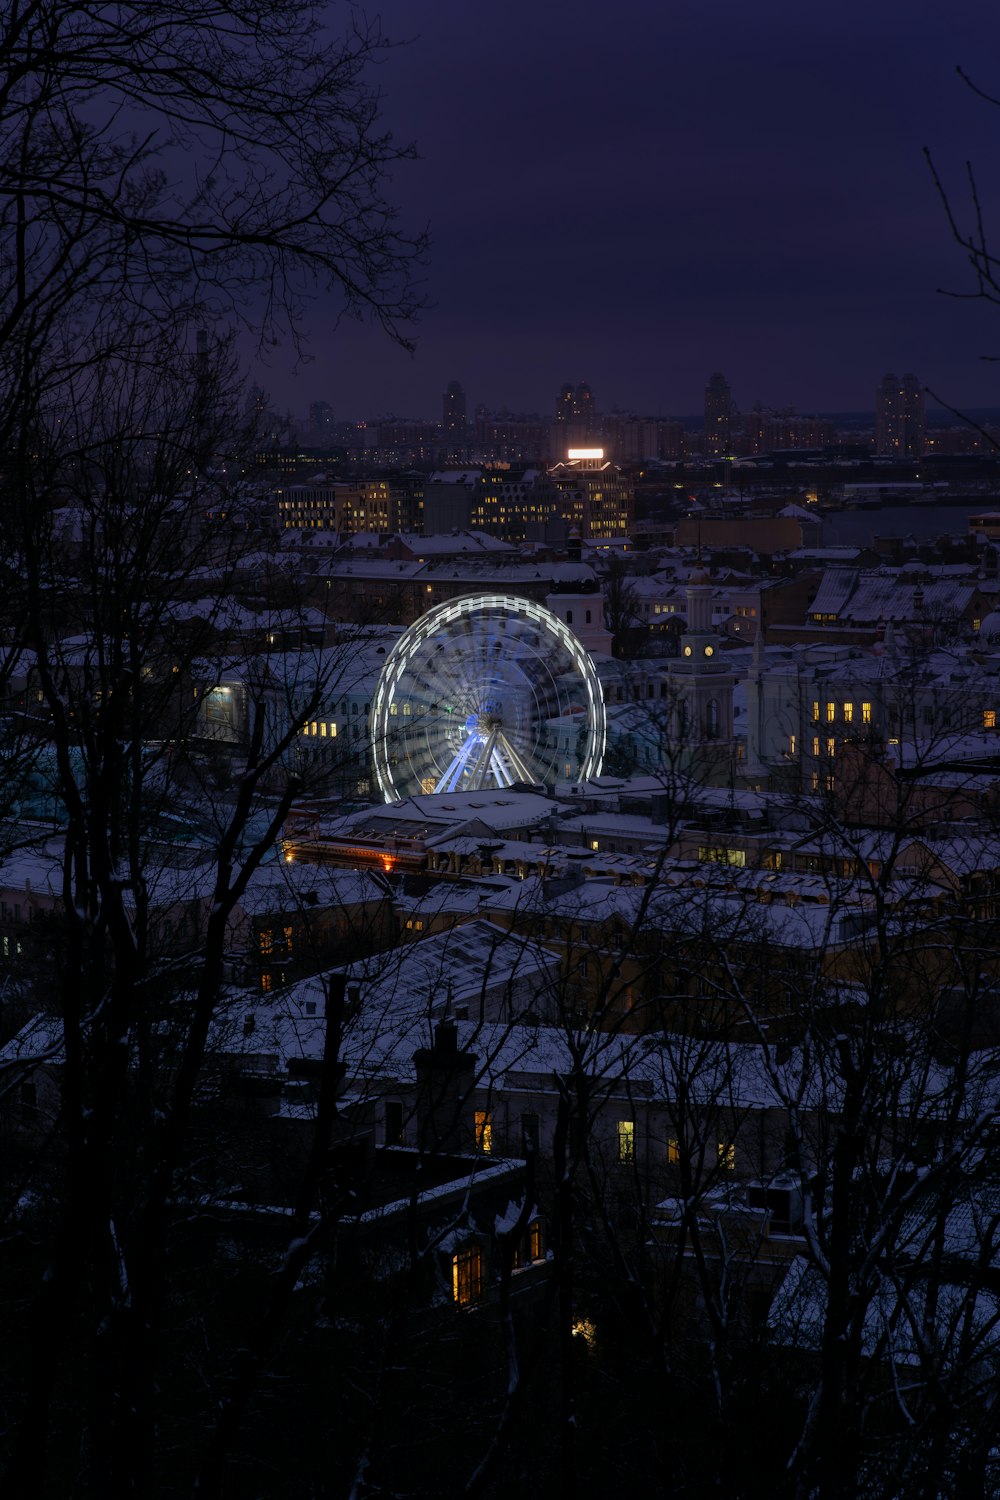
(584, 452)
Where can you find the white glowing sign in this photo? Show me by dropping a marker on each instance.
(584, 452)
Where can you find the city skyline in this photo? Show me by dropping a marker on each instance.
(637, 208)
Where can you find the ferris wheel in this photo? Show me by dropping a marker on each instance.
(486, 691)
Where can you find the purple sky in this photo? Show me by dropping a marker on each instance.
(637, 194)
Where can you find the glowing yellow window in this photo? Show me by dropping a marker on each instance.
(792, 742)
(265, 942)
(831, 747)
(815, 711)
(727, 1156)
(815, 744)
(866, 713)
(626, 1141)
(831, 713)
(848, 713)
(989, 718)
(467, 1275)
(673, 1152)
(322, 731)
(333, 731)
(484, 1131)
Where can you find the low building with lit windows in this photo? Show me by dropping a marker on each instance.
(804, 705)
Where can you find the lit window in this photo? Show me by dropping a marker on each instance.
(536, 1240)
(866, 713)
(815, 744)
(393, 710)
(791, 744)
(289, 939)
(484, 1131)
(727, 1156)
(989, 718)
(831, 712)
(848, 713)
(265, 984)
(406, 710)
(333, 731)
(626, 1141)
(815, 712)
(266, 942)
(673, 1152)
(595, 845)
(831, 747)
(322, 731)
(467, 1275)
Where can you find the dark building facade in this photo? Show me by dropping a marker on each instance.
(900, 425)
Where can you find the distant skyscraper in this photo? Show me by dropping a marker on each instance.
(718, 416)
(321, 420)
(584, 403)
(900, 424)
(453, 410)
(575, 409)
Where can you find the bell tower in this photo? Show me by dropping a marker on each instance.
(702, 684)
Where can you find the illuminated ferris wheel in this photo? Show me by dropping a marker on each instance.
(486, 691)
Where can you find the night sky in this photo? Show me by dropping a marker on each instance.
(637, 194)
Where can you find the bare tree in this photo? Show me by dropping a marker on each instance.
(163, 169)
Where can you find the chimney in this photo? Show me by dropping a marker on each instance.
(445, 1080)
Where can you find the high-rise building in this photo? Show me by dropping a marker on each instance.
(453, 410)
(575, 409)
(584, 412)
(321, 421)
(594, 495)
(900, 423)
(718, 416)
(564, 405)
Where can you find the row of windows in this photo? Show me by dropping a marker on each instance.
(847, 712)
(718, 854)
(725, 1150)
(625, 1132)
(468, 1265)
